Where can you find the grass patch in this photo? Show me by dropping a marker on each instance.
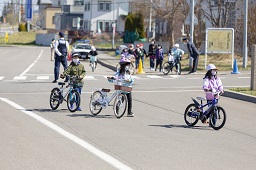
(244, 90)
(20, 38)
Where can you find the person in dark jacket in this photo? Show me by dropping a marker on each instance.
(94, 55)
(159, 57)
(193, 53)
(152, 54)
(61, 51)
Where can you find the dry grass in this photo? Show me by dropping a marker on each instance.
(20, 38)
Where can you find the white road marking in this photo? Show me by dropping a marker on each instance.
(19, 77)
(154, 77)
(174, 76)
(31, 65)
(136, 77)
(42, 77)
(243, 77)
(89, 77)
(2, 77)
(105, 157)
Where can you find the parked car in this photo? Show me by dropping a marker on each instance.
(83, 49)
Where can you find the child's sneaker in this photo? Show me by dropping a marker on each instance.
(79, 109)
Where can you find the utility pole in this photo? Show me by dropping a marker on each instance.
(245, 34)
(113, 25)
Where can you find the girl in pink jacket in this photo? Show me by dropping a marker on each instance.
(212, 82)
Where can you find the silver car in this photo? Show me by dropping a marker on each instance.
(83, 49)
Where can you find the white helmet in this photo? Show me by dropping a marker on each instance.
(177, 45)
(211, 67)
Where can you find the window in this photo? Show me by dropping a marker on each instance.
(78, 2)
(104, 6)
(87, 6)
(104, 26)
(74, 23)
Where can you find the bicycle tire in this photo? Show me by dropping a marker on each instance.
(120, 102)
(194, 119)
(216, 117)
(95, 105)
(118, 66)
(55, 98)
(132, 69)
(73, 101)
(178, 68)
(166, 68)
(93, 66)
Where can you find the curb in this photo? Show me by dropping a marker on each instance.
(239, 96)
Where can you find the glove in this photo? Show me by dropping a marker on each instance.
(62, 76)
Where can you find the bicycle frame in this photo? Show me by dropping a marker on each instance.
(201, 106)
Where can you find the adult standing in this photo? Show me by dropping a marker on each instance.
(193, 53)
(61, 50)
(52, 49)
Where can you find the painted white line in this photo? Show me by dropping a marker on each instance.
(136, 77)
(174, 76)
(105, 157)
(154, 77)
(2, 77)
(19, 77)
(42, 77)
(195, 78)
(243, 77)
(89, 77)
(31, 65)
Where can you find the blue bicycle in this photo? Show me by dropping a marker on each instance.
(215, 113)
(72, 97)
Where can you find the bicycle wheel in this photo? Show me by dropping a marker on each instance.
(120, 105)
(73, 101)
(190, 119)
(117, 66)
(166, 68)
(218, 118)
(93, 66)
(95, 103)
(178, 68)
(55, 98)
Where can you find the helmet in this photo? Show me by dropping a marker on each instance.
(141, 44)
(177, 45)
(93, 48)
(131, 46)
(75, 55)
(138, 45)
(211, 67)
(124, 60)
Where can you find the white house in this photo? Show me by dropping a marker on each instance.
(99, 15)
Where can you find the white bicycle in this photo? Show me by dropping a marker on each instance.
(99, 99)
(93, 60)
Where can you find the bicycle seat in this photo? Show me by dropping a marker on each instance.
(201, 98)
(105, 90)
(61, 83)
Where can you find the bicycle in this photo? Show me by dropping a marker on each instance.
(93, 60)
(99, 99)
(168, 66)
(195, 111)
(72, 97)
(132, 67)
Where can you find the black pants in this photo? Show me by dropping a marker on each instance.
(195, 63)
(129, 98)
(58, 60)
(159, 62)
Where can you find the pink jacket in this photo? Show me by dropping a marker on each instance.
(213, 84)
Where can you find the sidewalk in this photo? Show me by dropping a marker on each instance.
(110, 62)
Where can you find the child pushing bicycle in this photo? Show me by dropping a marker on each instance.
(124, 74)
(75, 69)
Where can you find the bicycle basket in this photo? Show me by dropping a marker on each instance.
(123, 88)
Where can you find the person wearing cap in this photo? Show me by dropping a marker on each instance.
(144, 54)
(177, 53)
(211, 83)
(124, 73)
(61, 48)
(75, 68)
(93, 53)
(138, 54)
(193, 53)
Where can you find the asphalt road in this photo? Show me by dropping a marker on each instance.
(35, 137)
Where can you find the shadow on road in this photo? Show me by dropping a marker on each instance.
(92, 116)
(46, 110)
(183, 126)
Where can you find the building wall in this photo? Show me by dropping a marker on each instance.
(48, 18)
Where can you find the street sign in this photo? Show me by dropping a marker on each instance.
(29, 11)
